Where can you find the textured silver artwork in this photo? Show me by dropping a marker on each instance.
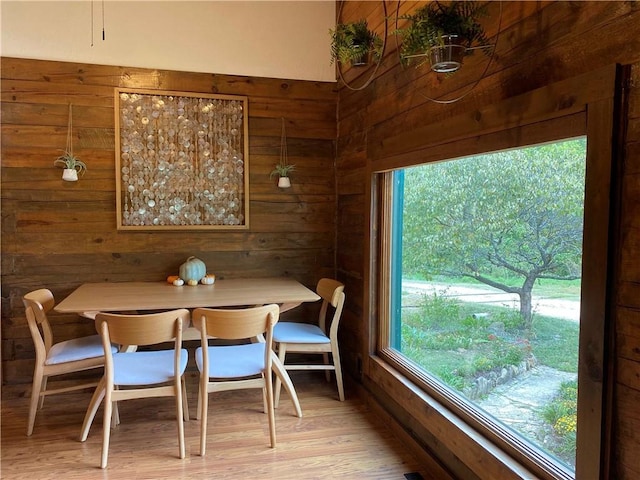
(181, 160)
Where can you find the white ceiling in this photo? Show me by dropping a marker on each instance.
(268, 38)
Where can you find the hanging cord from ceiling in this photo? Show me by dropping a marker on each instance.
(284, 154)
(69, 149)
(103, 31)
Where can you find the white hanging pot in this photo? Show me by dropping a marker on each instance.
(70, 175)
(284, 182)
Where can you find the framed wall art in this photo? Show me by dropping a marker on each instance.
(181, 160)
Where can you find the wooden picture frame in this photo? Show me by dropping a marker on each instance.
(181, 160)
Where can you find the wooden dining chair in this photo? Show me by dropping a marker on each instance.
(139, 374)
(320, 337)
(52, 358)
(234, 367)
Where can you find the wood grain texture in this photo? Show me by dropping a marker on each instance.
(540, 43)
(333, 439)
(59, 235)
(123, 296)
(393, 124)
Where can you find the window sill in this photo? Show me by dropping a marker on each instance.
(468, 446)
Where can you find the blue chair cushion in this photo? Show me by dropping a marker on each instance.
(76, 349)
(146, 368)
(292, 332)
(233, 361)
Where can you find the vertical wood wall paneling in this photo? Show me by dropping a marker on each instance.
(57, 234)
(540, 43)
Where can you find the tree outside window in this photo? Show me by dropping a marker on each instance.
(509, 223)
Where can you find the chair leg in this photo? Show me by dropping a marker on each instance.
(43, 388)
(94, 404)
(179, 390)
(283, 376)
(270, 407)
(327, 373)
(203, 396)
(282, 353)
(106, 429)
(115, 416)
(338, 369)
(199, 406)
(185, 403)
(36, 387)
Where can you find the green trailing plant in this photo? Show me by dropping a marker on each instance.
(70, 161)
(351, 42)
(428, 24)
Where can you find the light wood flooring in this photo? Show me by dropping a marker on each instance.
(346, 440)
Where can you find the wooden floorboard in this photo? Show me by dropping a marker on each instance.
(332, 440)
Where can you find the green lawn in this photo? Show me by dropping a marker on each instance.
(443, 337)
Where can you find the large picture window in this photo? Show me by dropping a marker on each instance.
(437, 351)
(484, 287)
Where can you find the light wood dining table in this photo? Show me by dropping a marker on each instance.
(90, 298)
(138, 296)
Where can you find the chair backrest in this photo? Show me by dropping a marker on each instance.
(332, 293)
(236, 324)
(37, 304)
(146, 329)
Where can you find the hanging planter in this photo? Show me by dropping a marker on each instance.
(283, 168)
(72, 165)
(70, 175)
(354, 43)
(364, 48)
(363, 59)
(284, 182)
(442, 34)
(448, 57)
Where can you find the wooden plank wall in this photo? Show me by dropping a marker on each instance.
(627, 339)
(59, 235)
(539, 43)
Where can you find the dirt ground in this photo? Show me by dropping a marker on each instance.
(552, 307)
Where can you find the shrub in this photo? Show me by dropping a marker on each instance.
(510, 318)
(454, 380)
(561, 414)
(438, 310)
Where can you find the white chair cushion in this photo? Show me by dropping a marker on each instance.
(292, 332)
(234, 360)
(76, 349)
(146, 368)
